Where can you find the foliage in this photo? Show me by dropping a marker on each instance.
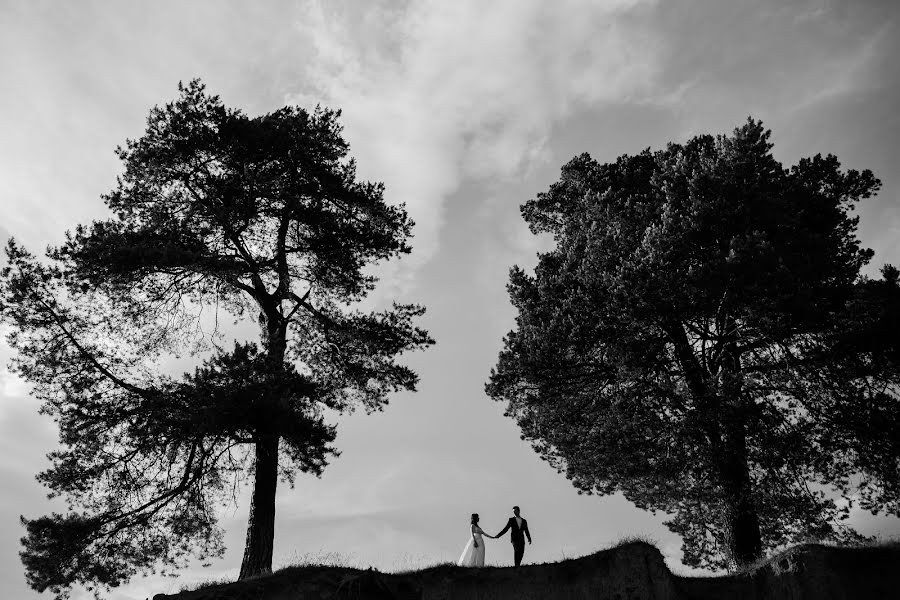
(701, 340)
(260, 217)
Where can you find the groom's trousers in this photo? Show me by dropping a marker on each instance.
(518, 551)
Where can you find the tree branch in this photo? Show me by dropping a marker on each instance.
(90, 357)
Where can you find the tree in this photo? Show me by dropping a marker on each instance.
(260, 217)
(700, 339)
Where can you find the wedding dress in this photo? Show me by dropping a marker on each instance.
(472, 556)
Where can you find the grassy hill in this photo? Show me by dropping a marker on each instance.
(632, 571)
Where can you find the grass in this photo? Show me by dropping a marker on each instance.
(190, 587)
(322, 558)
(630, 539)
(403, 564)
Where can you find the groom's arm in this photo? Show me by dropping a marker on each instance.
(505, 529)
(525, 529)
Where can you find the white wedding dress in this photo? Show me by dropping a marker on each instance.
(472, 556)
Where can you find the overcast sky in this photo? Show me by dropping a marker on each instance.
(465, 109)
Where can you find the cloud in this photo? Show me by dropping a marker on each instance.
(80, 80)
(769, 58)
(434, 93)
(859, 70)
(11, 385)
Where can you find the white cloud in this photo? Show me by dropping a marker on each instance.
(11, 385)
(437, 92)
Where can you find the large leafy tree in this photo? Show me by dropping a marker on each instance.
(216, 211)
(701, 340)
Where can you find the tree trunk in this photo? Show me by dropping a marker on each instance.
(261, 526)
(742, 536)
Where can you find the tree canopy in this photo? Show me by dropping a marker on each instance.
(701, 339)
(215, 213)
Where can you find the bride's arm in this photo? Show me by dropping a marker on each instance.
(481, 531)
(474, 541)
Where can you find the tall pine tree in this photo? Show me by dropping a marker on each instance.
(701, 340)
(215, 211)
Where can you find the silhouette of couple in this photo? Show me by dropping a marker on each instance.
(473, 553)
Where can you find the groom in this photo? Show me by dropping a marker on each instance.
(517, 526)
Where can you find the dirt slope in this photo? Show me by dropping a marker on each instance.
(633, 571)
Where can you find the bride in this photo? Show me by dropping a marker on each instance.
(473, 553)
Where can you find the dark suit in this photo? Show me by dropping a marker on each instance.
(517, 537)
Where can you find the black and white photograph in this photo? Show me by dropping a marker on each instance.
(430, 299)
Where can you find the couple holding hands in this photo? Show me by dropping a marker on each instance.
(473, 553)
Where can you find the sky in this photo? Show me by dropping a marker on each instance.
(465, 110)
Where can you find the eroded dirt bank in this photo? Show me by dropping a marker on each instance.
(633, 571)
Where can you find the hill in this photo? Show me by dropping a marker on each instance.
(632, 571)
